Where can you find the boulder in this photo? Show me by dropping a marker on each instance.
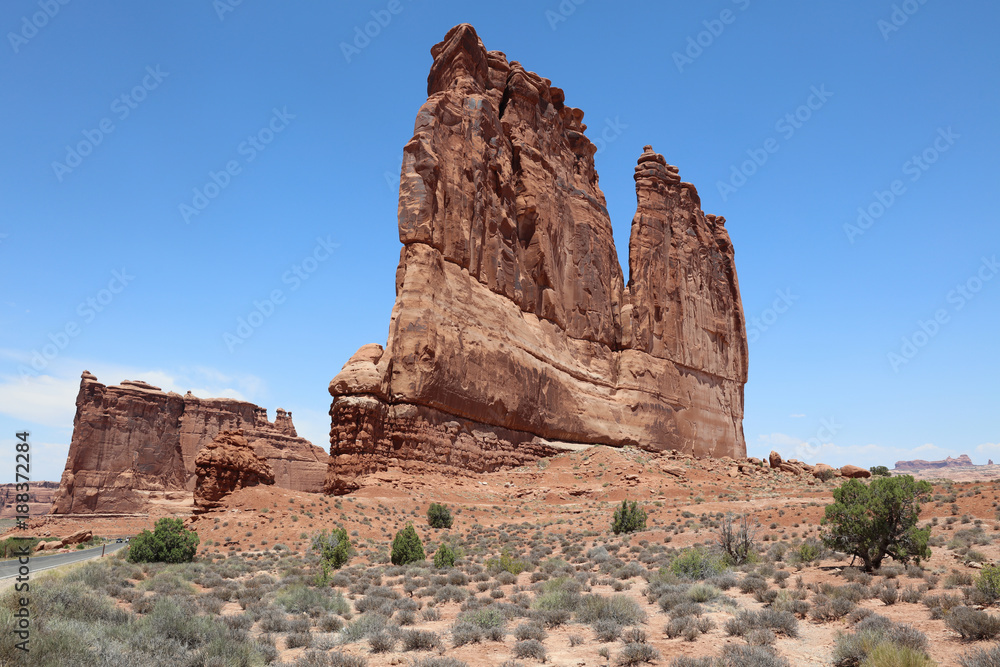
(774, 460)
(513, 334)
(855, 472)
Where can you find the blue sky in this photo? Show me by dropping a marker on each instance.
(873, 334)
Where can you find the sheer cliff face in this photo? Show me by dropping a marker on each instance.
(134, 447)
(512, 329)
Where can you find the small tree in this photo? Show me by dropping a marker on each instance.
(629, 517)
(407, 547)
(334, 549)
(438, 516)
(738, 539)
(444, 556)
(874, 520)
(879, 471)
(170, 542)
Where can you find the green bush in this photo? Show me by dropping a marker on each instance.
(438, 516)
(170, 542)
(808, 551)
(879, 471)
(698, 564)
(988, 581)
(505, 562)
(629, 517)
(874, 520)
(334, 549)
(444, 556)
(407, 547)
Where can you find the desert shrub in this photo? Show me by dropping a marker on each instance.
(444, 556)
(298, 597)
(618, 608)
(635, 653)
(381, 642)
(738, 538)
(870, 633)
(973, 624)
(696, 563)
(874, 520)
(169, 542)
(463, 633)
(703, 592)
(628, 518)
(450, 592)
(684, 661)
(438, 516)
(560, 593)
(407, 547)
(529, 630)
(879, 471)
(334, 549)
(890, 655)
(889, 595)
(530, 648)
(808, 551)
(606, 630)
(825, 474)
(505, 562)
(736, 655)
(338, 659)
(981, 658)
(747, 620)
(441, 662)
(988, 581)
(363, 626)
(419, 640)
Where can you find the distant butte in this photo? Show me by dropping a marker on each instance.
(134, 447)
(513, 334)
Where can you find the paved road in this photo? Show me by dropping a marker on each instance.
(8, 568)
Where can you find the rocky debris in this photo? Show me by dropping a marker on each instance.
(226, 464)
(134, 447)
(513, 334)
(949, 462)
(79, 537)
(40, 497)
(854, 472)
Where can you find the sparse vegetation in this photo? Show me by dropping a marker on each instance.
(438, 516)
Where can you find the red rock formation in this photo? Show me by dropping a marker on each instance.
(134, 447)
(226, 464)
(512, 330)
(919, 464)
(40, 497)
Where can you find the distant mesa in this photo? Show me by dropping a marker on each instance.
(135, 448)
(919, 464)
(513, 334)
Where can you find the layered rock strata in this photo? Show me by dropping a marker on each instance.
(135, 447)
(226, 464)
(513, 330)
